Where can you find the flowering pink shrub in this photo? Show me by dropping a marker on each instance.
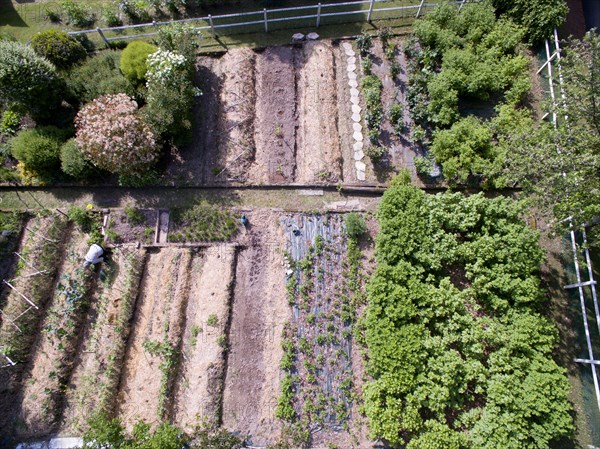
(112, 135)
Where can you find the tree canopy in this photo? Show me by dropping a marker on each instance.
(559, 165)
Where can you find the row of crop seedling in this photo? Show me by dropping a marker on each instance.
(372, 86)
(202, 222)
(315, 361)
(108, 380)
(11, 226)
(61, 330)
(169, 356)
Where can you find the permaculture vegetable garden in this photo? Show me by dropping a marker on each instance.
(361, 249)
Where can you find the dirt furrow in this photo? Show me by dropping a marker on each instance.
(236, 127)
(156, 329)
(318, 155)
(93, 385)
(259, 312)
(276, 116)
(199, 387)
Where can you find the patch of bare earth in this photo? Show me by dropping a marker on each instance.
(127, 232)
(93, 384)
(259, 311)
(318, 144)
(157, 318)
(56, 345)
(199, 386)
(236, 128)
(275, 122)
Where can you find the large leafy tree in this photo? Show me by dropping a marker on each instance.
(539, 17)
(559, 166)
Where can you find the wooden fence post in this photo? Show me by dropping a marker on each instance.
(266, 20)
(370, 11)
(319, 15)
(103, 37)
(420, 7)
(212, 26)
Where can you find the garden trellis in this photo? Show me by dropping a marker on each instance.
(287, 18)
(555, 57)
(31, 305)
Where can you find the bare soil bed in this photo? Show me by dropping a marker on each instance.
(235, 144)
(157, 318)
(199, 384)
(259, 313)
(275, 123)
(192, 164)
(319, 154)
(123, 229)
(93, 384)
(266, 117)
(57, 343)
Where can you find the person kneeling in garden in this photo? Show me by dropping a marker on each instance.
(94, 255)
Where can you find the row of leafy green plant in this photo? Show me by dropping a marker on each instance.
(460, 352)
(128, 107)
(464, 65)
(105, 431)
(372, 86)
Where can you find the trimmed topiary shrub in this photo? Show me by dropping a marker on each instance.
(27, 79)
(72, 161)
(113, 136)
(58, 47)
(38, 148)
(133, 60)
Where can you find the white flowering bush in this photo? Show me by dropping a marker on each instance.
(113, 136)
(165, 67)
(170, 94)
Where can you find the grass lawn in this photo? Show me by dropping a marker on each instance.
(23, 20)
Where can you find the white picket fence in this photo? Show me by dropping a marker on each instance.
(280, 18)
